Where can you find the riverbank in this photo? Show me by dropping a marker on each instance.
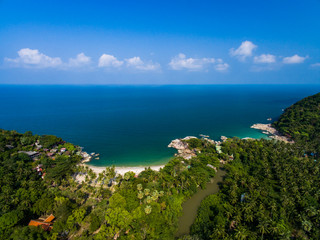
(190, 207)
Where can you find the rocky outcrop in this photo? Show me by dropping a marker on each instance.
(85, 157)
(182, 147)
(223, 138)
(268, 129)
(210, 140)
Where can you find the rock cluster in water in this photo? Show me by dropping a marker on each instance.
(183, 147)
(268, 129)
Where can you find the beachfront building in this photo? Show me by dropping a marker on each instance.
(44, 221)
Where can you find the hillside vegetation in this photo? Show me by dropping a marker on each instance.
(271, 189)
(301, 122)
(108, 206)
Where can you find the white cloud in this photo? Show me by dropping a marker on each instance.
(137, 63)
(107, 60)
(265, 58)
(315, 65)
(134, 61)
(245, 50)
(181, 62)
(33, 58)
(294, 59)
(80, 60)
(192, 64)
(221, 67)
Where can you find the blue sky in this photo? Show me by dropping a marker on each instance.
(159, 42)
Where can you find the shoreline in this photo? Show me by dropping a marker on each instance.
(266, 129)
(122, 170)
(271, 132)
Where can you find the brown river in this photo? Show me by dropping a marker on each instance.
(190, 207)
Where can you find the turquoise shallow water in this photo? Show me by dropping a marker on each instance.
(132, 125)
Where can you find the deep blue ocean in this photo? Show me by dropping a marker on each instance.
(132, 125)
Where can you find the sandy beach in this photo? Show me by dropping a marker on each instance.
(119, 170)
(123, 170)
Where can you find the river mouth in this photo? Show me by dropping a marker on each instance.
(190, 207)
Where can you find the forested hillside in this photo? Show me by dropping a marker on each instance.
(301, 122)
(271, 189)
(27, 190)
(37, 178)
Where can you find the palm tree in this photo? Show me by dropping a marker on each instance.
(273, 228)
(307, 225)
(155, 195)
(140, 195)
(242, 232)
(110, 172)
(311, 211)
(127, 176)
(147, 209)
(146, 191)
(248, 216)
(101, 175)
(218, 233)
(263, 228)
(149, 199)
(273, 207)
(139, 187)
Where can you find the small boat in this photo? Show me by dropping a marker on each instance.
(202, 135)
(93, 153)
(269, 119)
(97, 158)
(97, 154)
